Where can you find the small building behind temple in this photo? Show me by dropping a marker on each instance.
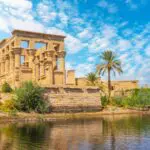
(40, 57)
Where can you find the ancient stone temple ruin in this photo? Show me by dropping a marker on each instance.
(40, 57)
(33, 56)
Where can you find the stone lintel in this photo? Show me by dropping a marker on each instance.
(37, 34)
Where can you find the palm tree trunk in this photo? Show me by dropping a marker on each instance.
(109, 85)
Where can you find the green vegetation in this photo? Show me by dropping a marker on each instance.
(29, 98)
(109, 63)
(9, 107)
(104, 101)
(138, 98)
(6, 88)
(92, 79)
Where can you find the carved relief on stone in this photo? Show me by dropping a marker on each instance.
(17, 50)
(17, 74)
(61, 54)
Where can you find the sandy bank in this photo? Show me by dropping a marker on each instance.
(4, 117)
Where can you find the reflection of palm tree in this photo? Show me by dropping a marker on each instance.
(113, 138)
(109, 63)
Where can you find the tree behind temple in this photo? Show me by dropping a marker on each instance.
(110, 63)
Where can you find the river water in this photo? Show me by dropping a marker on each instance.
(121, 132)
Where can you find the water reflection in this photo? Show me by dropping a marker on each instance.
(112, 132)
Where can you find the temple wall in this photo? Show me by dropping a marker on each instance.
(33, 56)
(75, 99)
(81, 81)
(70, 78)
(58, 78)
(116, 85)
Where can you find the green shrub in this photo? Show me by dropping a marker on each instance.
(6, 88)
(29, 98)
(137, 98)
(104, 101)
(8, 106)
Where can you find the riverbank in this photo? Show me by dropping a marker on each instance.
(7, 117)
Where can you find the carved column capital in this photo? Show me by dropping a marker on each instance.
(31, 52)
(6, 57)
(17, 50)
(61, 54)
(50, 53)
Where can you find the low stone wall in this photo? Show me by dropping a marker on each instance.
(73, 99)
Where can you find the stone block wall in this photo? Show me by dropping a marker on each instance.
(73, 99)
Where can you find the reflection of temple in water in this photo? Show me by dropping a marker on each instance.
(112, 132)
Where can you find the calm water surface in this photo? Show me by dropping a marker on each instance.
(112, 132)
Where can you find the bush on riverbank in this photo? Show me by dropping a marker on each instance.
(29, 98)
(137, 98)
(6, 88)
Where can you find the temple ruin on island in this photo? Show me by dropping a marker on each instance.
(39, 57)
(33, 56)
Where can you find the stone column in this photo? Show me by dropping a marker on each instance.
(54, 62)
(49, 46)
(31, 44)
(42, 72)
(37, 71)
(6, 64)
(2, 66)
(50, 75)
(11, 56)
(31, 53)
(17, 52)
(61, 56)
(17, 42)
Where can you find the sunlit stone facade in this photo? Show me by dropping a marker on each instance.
(40, 58)
(33, 56)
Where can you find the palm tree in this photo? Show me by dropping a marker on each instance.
(92, 79)
(109, 63)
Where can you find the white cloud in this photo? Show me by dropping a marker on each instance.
(73, 44)
(3, 25)
(123, 44)
(85, 34)
(69, 66)
(18, 15)
(17, 8)
(91, 59)
(53, 30)
(21, 4)
(29, 25)
(111, 8)
(83, 69)
(46, 11)
(147, 50)
(64, 18)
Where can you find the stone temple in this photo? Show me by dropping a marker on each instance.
(34, 56)
(40, 57)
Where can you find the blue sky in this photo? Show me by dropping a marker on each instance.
(91, 27)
